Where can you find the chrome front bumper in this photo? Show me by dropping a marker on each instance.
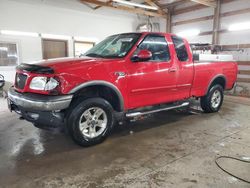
(37, 102)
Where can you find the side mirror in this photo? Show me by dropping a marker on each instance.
(143, 55)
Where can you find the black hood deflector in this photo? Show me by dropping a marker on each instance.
(35, 68)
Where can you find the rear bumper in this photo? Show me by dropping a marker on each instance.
(38, 102)
(43, 111)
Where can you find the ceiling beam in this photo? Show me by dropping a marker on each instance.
(174, 4)
(93, 8)
(110, 4)
(210, 3)
(155, 4)
(98, 6)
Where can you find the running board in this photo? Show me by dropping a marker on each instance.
(169, 107)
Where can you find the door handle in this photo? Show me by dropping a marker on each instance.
(172, 70)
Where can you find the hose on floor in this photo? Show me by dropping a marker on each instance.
(228, 157)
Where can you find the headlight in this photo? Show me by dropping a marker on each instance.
(43, 83)
(51, 84)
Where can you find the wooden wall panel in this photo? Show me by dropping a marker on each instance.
(244, 72)
(195, 7)
(244, 63)
(193, 20)
(243, 80)
(205, 18)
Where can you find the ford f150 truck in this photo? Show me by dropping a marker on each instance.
(124, 76)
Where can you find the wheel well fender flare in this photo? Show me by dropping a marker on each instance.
(101, 83)
(214, 78)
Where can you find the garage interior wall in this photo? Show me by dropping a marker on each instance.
(60, 17)
(240, 12)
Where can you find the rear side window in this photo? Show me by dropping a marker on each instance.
(180, 48)
(157, 45)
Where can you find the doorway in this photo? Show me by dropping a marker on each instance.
(54, 48)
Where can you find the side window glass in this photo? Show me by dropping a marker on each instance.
(180, 48)
(157, 45)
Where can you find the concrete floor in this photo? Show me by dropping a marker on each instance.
(169, 149)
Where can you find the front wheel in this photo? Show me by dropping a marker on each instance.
(91, 121)
(213, 100)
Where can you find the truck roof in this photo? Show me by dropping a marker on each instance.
(145, 33)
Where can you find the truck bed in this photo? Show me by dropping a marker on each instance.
(205, 72)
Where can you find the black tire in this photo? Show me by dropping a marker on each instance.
(73, 121)
(207, 102)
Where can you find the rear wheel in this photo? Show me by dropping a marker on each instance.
(213, 100)
(91, 121)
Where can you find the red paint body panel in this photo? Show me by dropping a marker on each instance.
(144, 83)
(205, 72)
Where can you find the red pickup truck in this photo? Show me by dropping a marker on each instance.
(124, 76)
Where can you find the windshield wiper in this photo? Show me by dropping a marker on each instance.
(94, 55)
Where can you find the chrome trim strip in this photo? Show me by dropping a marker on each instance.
(134, 114)
(39, 102)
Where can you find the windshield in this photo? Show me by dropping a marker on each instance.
(115, 46)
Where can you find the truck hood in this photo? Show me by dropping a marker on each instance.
(66, 65)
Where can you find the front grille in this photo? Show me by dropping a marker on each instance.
(20, 80)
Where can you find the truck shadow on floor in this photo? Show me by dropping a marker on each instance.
(153, 121)
(167, 118)
(31, 142)
(35, 142)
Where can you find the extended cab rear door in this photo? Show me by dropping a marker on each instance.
(184, 61)
(153, 81)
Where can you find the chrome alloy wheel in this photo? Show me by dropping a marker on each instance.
(216, 99)
(93, 122)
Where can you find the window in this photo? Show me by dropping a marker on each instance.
(54, 48)
(81, 47)
(180, 48)
(8, 54)
(157, 45)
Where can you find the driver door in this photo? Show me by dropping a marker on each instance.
(153, 81)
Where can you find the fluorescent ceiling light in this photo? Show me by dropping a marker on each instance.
(135, 4)
(239, 26)
(86, 39)
(52, 36)
(189, 33)
(19, 33)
